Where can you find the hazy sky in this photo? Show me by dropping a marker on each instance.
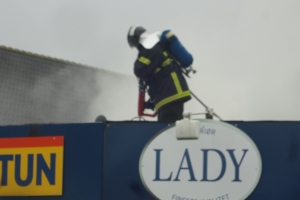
(246, 52)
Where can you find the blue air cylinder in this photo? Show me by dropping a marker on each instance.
(176, 48)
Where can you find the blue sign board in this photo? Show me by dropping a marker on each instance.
(101, 160)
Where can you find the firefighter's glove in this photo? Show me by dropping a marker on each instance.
(142, 86)
(149, 104)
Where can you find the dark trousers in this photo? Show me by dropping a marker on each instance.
(170, 113)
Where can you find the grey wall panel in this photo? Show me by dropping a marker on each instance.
(38, 89)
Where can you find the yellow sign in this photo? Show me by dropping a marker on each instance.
(31, 166)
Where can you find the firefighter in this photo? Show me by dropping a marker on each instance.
(157, 70)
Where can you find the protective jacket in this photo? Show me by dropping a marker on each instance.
(162, 75)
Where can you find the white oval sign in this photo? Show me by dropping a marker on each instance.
(224, 163)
